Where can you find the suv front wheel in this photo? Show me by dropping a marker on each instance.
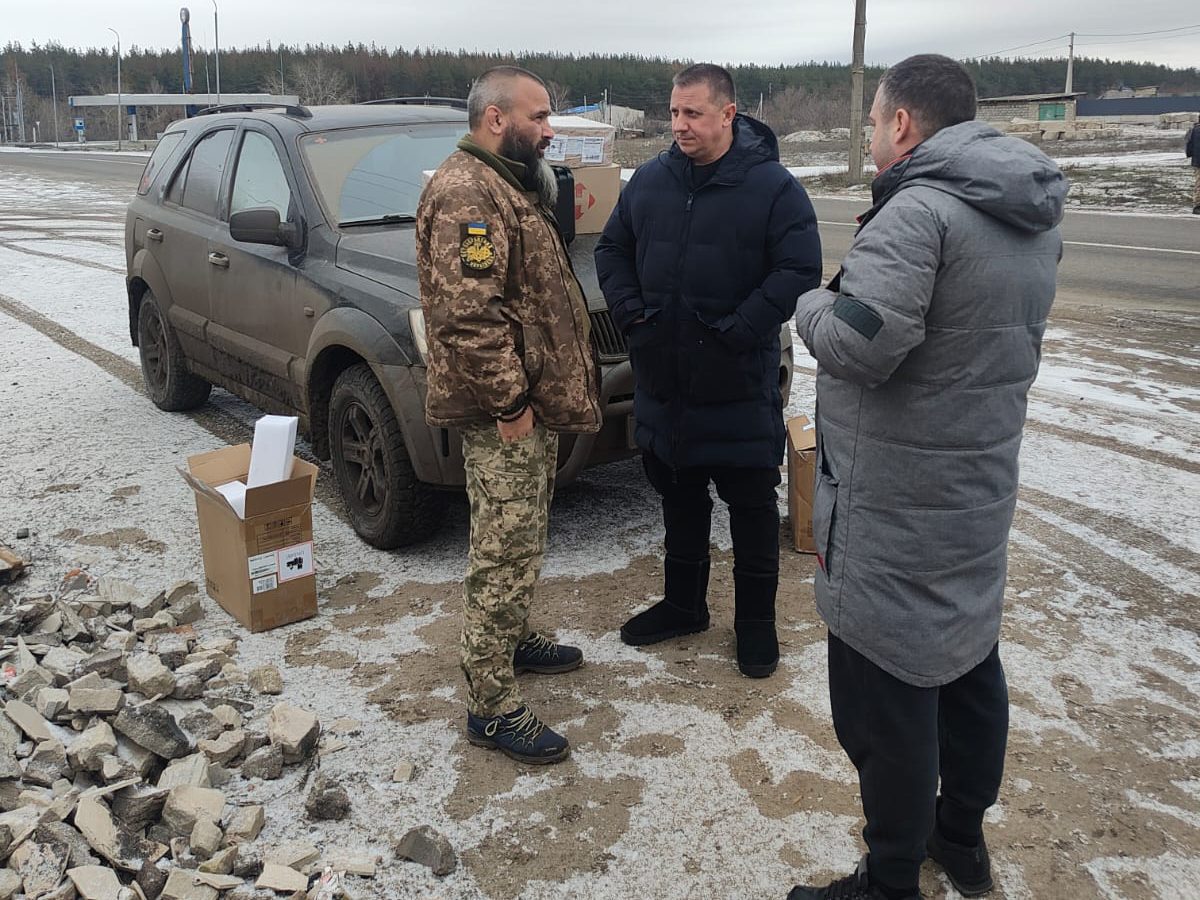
(388, 506)
(168, 382)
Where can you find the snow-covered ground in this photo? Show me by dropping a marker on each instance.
(687, 781)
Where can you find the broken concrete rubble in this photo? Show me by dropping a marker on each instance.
(95, 717)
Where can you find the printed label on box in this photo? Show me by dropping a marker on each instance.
(593, 150)
(557, 151)
(264, 584)
(296, 562)
(263, 564)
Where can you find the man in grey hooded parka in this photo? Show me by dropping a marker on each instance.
(927, 343)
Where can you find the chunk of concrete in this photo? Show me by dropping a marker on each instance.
(51, 702)
(40, 865)
(116, 843)
(181, 885)
(293, 855)
(149, 676)
(265, 762)
(191, 770)
(102, 702)
(186, 804)
(87, 750)
(275, 877)
(139, 806)
(95, 882)
(266, 680)
(47, 764)
(153, 727)
(428, 847)
(29, 721)
(206, 838)
(294, 730)
(245, 826)
(221, 862)
(327, 800)
(224, 748)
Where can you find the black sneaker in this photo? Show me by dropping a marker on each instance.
(968, 868)
(853, 887)
(519, 735)
(537, 653)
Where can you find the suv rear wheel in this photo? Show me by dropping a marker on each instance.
(168, 382)
(388, 506)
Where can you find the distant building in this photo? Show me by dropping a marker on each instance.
(1030, 107)
(623, 118)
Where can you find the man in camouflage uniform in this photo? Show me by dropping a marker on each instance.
(510, 366)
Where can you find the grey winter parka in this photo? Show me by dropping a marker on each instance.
(926, 348)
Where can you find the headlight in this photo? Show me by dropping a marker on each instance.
(416, 324)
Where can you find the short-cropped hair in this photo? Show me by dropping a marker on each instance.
(494, 88)
(936, 90)
(718, 79)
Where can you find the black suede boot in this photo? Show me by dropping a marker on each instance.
(754, 623)
(683, 609)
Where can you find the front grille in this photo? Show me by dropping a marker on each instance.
(610, 343)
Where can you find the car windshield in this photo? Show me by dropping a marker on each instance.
(374, 173)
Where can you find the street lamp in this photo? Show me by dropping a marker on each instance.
(217, 50)
(120, 112)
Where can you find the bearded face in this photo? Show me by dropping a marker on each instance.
(527, 149)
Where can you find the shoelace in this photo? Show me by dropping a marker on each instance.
(539, 643)
(526, 726)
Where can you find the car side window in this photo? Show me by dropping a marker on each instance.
(202, 186)
(175, 193)
(259, 181)
(166, 146)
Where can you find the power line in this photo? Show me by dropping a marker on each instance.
(1019, 47)
(1135, 33)
(1141, 39)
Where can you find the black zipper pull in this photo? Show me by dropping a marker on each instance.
(688, 208)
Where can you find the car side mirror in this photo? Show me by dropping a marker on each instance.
(260, 226)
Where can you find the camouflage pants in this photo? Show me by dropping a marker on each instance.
(509, 487)
(1196, 188)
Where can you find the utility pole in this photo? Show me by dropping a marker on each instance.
(54, 101)
(282, 88)
(120, 110)
(856, 91)
(1071, 64)
(217, 50)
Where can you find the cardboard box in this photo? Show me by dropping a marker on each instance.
(580, 142)
(596, 190)
(260, 569)
(801, 463)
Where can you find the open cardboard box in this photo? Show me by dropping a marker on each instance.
(259, 569)
(801, 463)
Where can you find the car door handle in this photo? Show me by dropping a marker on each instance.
(219, 259)
(154, 235)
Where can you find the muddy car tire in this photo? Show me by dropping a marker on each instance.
(387, 505)
(164, 370)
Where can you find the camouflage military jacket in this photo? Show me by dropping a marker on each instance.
(505, 317)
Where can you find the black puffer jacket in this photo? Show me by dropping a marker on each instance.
(714, 273)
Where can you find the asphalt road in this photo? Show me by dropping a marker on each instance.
(1118, 260)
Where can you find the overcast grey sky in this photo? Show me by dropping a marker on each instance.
(738, 31)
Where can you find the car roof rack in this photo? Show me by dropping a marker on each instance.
(297, 111)
(456, 102)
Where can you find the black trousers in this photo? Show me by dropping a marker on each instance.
(902, 738)
(687, 512)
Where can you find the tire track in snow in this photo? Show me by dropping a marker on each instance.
(220, 425)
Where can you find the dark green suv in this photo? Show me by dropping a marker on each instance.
(270, 251)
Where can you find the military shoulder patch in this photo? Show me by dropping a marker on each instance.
(476, 250)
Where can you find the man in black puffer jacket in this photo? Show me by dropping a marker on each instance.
(701, 262)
